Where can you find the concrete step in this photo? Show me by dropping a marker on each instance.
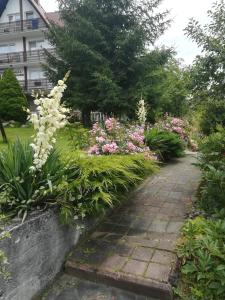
(139, 286)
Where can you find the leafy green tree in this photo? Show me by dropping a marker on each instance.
(12, 99)
(162, 83)
(208, 71)
(101, 42)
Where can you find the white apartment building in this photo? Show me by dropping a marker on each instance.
(23, 24)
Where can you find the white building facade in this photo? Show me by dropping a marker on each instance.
(23, 24)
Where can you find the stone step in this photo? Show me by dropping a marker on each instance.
(139, 286)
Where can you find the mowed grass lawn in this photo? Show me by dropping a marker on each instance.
(64, 138)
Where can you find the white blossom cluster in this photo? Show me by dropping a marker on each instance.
(51, 115)
(141, 112)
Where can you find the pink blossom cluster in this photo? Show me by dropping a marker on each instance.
(137, 136)
(115, 138)
(111, 124)
(175, 125)
(110, 148)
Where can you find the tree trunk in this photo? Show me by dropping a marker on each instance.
(2, 130)
(86, 118)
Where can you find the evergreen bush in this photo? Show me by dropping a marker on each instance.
(12, 98)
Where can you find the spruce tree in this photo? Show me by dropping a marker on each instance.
(101, 42)
(12, 98)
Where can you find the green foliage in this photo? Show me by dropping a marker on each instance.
(213, 114)
(79, 136)
(162, 83)
(212, 189)
(201, 251)
(208, 72)
(212, 164)
(78, 186)
(12, 99)
(102, 43)
(20, 189)
(212, 147)
(165, 144)
(95, 183)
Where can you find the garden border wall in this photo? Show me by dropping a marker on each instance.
(36, 252)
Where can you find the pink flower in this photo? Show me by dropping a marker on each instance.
(178, 130)
(94, 150)
(110, 148)
(100, 139)
(137, 137)
(131, 147)
(110, 124)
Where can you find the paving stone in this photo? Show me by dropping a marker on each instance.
(142, 223)
(143, 253)
(135, 267)
(163, 257)
(137, 232)
(176, 195)
(158, 226)
(174, 227)
(158, 272)
(113, 263)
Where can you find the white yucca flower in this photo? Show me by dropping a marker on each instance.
(51, 115)
(141, 111)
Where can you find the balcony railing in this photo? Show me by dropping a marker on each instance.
(36, 84)
(25, 25)
(20, 57)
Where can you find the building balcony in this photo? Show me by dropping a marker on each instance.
(32, 57)
(21, 26)
(41, 84)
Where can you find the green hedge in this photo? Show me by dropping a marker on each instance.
(165, 144)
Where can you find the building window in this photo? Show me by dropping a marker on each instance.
(35, 45)
(7, 48)
(36, 74)
(29, 15)
(14, 18)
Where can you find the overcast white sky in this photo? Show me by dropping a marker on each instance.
(181, 12)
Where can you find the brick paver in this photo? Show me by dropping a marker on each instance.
(135, 247)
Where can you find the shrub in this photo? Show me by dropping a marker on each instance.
(175, 125)
(202, 256)
(20, 190)
(81, 186)
(12, 99)
(212, 147)
(165, 144)
(213, 115)
(212, 164)
(97, 182)
(212, 188)
(78, 135)
(115, 138)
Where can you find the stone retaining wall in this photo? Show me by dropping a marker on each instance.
(36, 252)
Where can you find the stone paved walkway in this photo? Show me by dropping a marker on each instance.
(134, 248)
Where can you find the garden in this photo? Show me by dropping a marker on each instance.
(155, 112)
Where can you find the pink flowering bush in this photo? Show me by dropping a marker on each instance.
(175, 125)
(114, 138)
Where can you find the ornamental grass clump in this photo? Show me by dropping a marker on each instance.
(95, 183)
